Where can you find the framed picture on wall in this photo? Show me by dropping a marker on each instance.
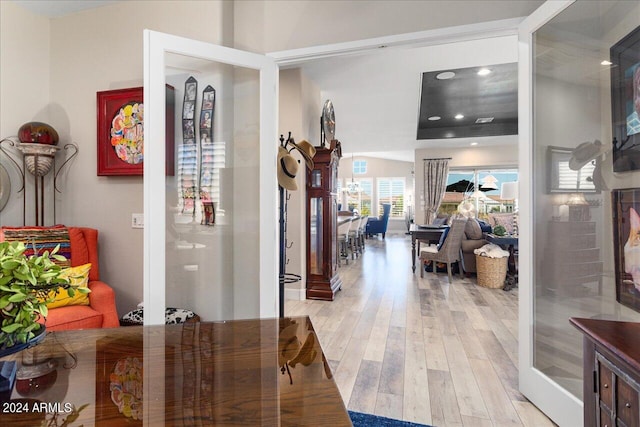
(119, 382)
(626, 245)
(120, 117)
(625, 102)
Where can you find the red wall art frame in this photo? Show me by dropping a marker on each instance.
(120, 115)
(625, 203)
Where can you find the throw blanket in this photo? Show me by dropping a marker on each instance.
(40, 239)
(492, 251)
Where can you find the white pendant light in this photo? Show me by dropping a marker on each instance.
(353, 188)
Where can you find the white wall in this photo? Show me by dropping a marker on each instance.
(24, 90)
(89, 52)
(379, 168)
(300, 109)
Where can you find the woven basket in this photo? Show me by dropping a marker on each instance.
(491, 271)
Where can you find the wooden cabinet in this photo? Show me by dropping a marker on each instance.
(616, 394)
(611, 372)
(572, 258)
(322, 230)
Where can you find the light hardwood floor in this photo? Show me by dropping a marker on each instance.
(421, 350)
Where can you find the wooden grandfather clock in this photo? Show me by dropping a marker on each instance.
(322, 230)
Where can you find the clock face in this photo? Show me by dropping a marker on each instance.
(328, 121)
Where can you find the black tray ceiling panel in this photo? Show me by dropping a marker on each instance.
(472, 95)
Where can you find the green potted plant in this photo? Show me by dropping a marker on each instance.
(27, 284)
(499, 230)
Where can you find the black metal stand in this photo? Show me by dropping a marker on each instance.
(38, 176)
(283, 276)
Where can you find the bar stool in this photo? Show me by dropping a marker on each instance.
(354, 236)
(362, 233)
(343, 240)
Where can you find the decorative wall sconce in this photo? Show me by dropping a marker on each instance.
(37, 144)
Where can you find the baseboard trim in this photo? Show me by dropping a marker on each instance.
(295, 294)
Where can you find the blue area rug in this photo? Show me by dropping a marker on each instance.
(367, 420)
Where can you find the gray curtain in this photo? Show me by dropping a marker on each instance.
(436, 172)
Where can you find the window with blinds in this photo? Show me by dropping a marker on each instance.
(363, 200)
(219, 163)
(563, 179)
(579, 180)
(391, 190)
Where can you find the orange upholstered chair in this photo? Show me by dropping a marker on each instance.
(101, 311)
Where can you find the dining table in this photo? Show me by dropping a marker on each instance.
(424, 233)
(269, 372)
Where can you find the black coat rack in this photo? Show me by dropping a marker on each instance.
(284, 277)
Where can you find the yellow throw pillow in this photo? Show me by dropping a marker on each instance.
(78, 276)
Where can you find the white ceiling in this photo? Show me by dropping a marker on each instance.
(376, 96)
(56, 8)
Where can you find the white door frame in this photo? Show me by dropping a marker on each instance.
(460, 33)
(156, 44)
(556, 402)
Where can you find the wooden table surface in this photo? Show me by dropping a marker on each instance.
(248, 372)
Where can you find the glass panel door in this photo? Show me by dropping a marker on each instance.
(209, 241)
(316, 236)
(212, 201)
(569, 268)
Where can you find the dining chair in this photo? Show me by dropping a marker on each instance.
(447, 251)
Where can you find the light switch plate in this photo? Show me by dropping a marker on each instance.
(137, 220)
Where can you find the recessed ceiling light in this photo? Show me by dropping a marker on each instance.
(445, 75)
(605, 62)
(484, 120)
(459, 116)
(434, 118)
(484, 71)
(473, 143)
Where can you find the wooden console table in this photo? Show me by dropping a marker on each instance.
(246, 372)
(611, 368)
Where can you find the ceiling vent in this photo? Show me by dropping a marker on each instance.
(484, 120)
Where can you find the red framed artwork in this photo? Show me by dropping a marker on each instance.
(119, 382)
(120, 115)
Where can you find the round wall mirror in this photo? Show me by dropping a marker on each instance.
(5, 187)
